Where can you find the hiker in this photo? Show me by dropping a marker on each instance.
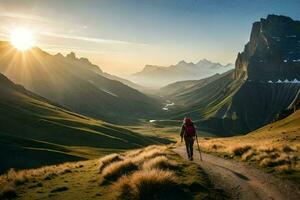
(188, 132)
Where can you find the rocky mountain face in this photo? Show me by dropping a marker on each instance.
(74, 83)
(251, 96)
(273, 51)
(159, 76)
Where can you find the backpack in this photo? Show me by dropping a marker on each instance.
(189, 128)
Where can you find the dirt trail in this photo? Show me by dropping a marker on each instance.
(241, 181)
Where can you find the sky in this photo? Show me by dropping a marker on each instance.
(122, 36)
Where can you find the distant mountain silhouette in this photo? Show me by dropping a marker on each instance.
(250, 96)
(75, 83)
(158, 76)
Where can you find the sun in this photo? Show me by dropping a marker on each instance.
(22, 39)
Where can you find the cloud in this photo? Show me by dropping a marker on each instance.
(37, 18)
(63, 48)
(91, 39)
(24, 16)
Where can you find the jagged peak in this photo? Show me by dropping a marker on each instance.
(71, 55)
(204, 61)
(273, 17)
(59, 55)
(182, 62)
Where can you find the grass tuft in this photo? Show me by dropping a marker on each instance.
(149, 184)
(272, 162)
(108, 160)
(240, 150)
(117, 169)
(149, 154)
(248, 155)
(160, 162)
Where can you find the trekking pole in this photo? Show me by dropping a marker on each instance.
(198, 147)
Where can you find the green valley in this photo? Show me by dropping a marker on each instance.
(35, 132)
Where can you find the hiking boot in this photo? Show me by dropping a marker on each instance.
(191, 158)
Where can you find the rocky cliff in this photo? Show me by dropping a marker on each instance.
(273, 51)
(255, 97)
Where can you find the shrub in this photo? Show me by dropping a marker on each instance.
(149, 184)
(118, 169)
(108, 160)
(160, 162)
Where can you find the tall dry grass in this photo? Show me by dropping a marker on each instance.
(114, 166)
(13, 178)
(282, 157)
(117, 169)
(149, 184)
(106, 160)
(149, 154)
(150, 158)
(160, 162)
(240, 150)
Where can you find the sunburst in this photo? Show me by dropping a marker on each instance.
(22, 39)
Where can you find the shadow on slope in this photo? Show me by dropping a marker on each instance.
(35, 132)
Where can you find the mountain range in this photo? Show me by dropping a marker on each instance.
(248, 97)
(76, 84)
(158, 76)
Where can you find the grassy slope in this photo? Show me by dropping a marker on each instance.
(34, 132)
(82, 180)
(177, 88)
(206, 102)
(274, 147)
(229, 107)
